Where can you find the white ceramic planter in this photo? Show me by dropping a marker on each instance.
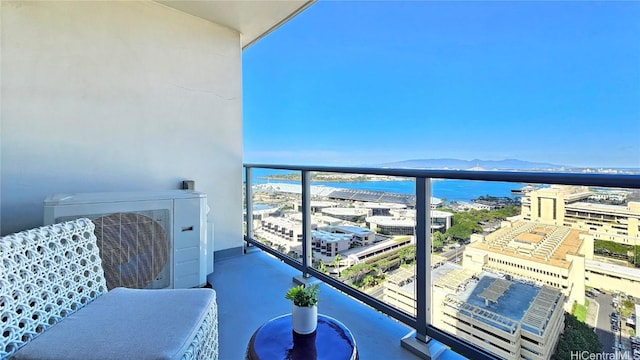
(304, 319)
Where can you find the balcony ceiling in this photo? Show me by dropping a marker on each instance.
(252, 18)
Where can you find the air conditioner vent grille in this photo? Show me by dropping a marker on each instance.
(134, 249)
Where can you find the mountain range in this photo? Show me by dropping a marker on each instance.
(476, 164)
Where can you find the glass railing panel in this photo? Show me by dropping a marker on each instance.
(516, 270)
(363, 232)
(277, 216)
(512, 265)
(463, 210)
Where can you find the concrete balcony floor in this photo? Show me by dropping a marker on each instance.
(250, 290)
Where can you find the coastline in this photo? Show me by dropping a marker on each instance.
(331, 177)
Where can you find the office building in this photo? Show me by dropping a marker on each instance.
(512, 319)
(543, 254)
(402, 222)
(568, 206)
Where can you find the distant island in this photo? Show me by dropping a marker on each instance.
(452, 164)
(501, 165)
(334, 177)
(475, 164)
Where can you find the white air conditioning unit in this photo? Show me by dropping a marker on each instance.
(151, 240)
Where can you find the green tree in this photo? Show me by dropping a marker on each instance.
(336, 263)
(319, 264)
(459, 232)
(383, 266)
(407, 254)
(356, 273)
(437, 241)
(577, 337)
(369, 281)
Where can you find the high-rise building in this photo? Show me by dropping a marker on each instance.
(567, 206)
(544, 254)
(511, 318)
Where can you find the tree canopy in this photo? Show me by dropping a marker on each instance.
(577, 337)
(466, 223)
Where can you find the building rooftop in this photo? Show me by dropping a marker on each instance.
(263, 209)
(548, 244)
(602, 207)
(322, 220)
(342, 211)
(373, 196)
(354, 230)
(366, 196)
(501, 303)
(318, 203)
(612, 268)
(441, 214)
(506, 304)
(404, 276)
(377, 205)
(377, 248)
(452, 277)
(284, 222)
(391, 221)
(330, 237)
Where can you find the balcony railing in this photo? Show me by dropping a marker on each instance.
(421, 320)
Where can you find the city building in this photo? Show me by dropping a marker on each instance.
(294, 189)
(441, 220)
(381, 209)
(346, 213)
(330, 244)
(360, 236)
(318, 205)
(288, 229)
(260, 211)
(612, 277)
(391, 225)
(359, 254)
(318, 220)
(487, 205)
(543, 254)
(356, 195)
(402, 222)
(567, 206)
(512, 319)
(332, 240)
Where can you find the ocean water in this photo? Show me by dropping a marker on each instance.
(449, 190)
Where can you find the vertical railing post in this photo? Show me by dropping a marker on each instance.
(248, 204)
(306, 223)
(423, 257)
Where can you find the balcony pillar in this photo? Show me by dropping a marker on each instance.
(249, 206)
(307, 252)
(418, 341)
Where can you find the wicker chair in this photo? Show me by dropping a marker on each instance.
(54, 304)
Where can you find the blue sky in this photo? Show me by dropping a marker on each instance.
(367, 82)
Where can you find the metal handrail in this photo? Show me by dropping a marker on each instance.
(631, 181)
(420, 322)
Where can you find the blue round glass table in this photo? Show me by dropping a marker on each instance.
(276, 340)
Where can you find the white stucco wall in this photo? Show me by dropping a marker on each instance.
(118, 96)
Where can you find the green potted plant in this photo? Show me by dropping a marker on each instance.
(304, 312)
